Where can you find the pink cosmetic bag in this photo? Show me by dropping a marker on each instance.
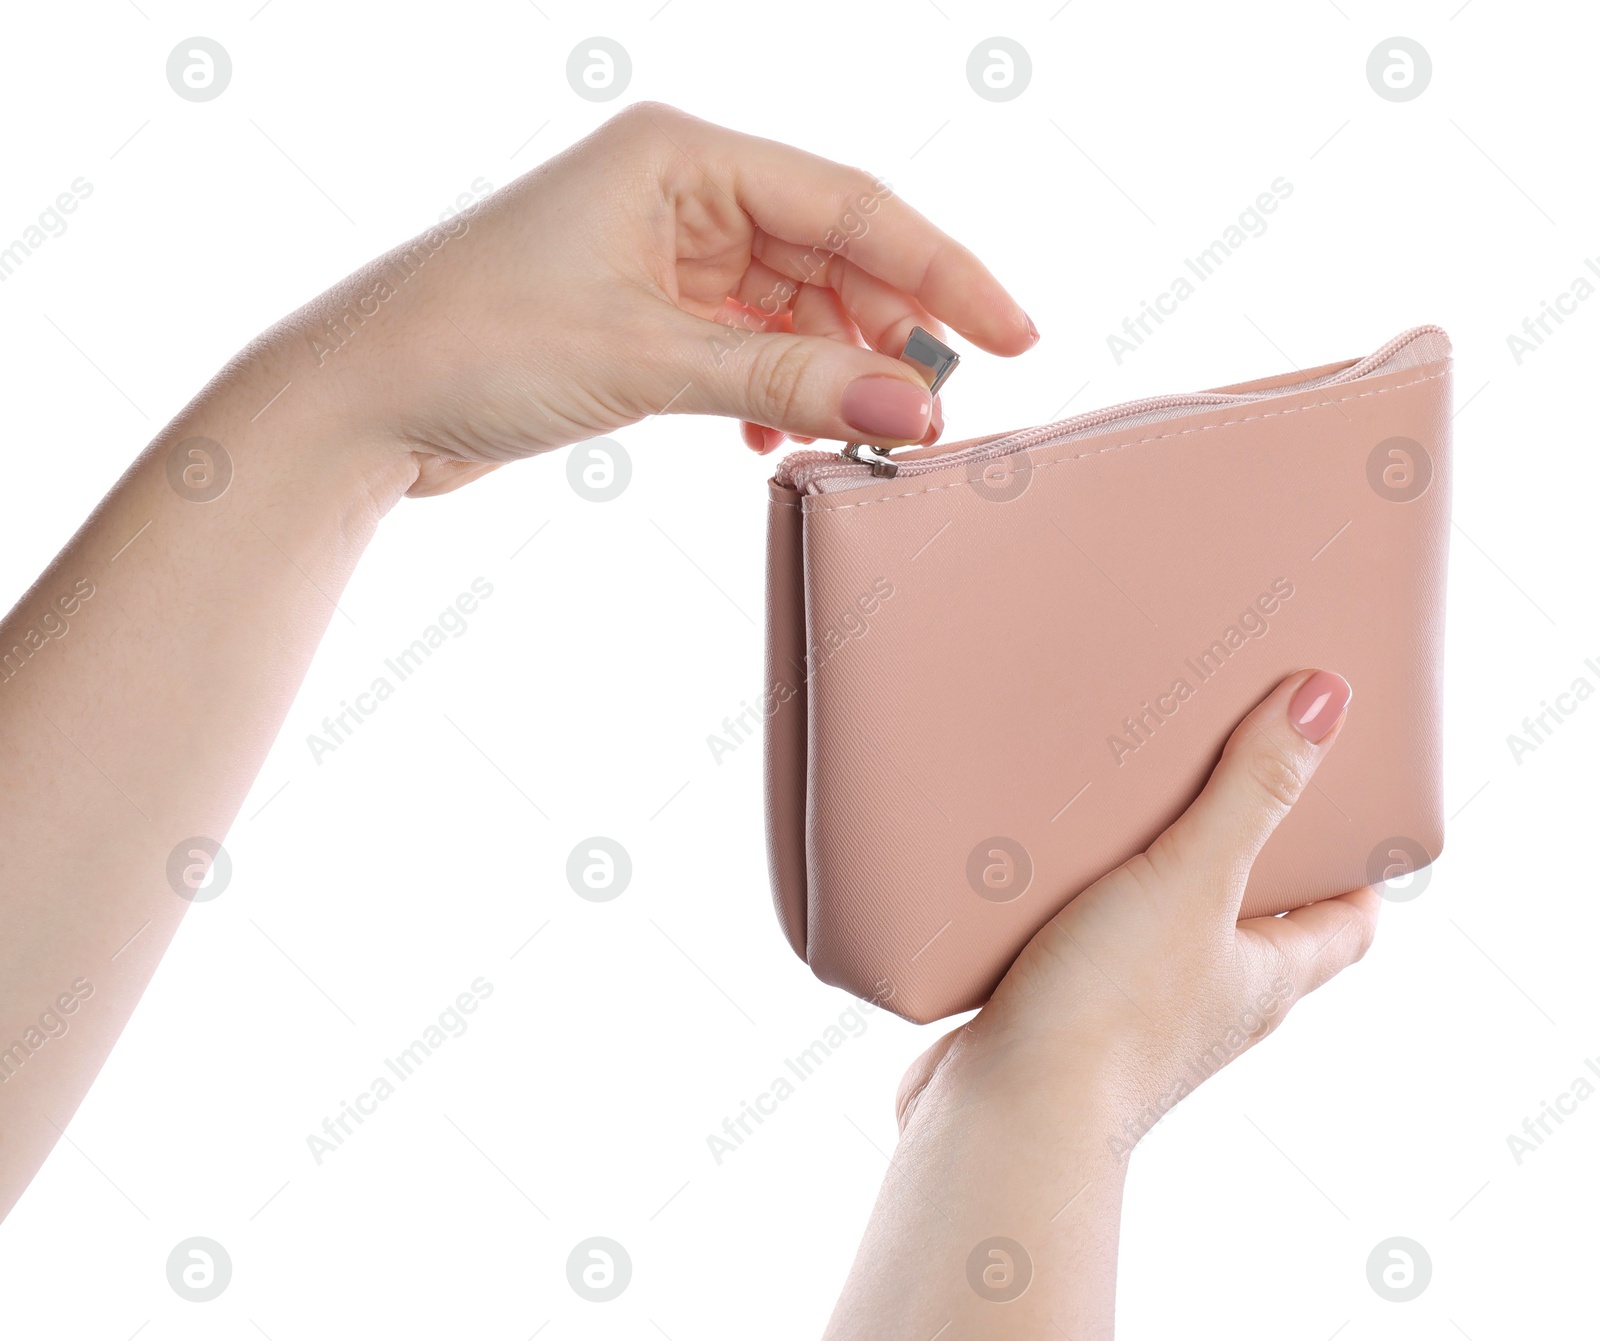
(998, 673)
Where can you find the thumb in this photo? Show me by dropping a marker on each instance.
(1265, 766)
(804, 385)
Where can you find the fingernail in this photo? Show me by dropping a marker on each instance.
(886, 407)
(935, 426)
(1033, 331)
(761, 440)
(1317, 704)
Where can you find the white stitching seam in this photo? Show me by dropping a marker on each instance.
(811, 506)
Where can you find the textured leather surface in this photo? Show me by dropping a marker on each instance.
(975, 656)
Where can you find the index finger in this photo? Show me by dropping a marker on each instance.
(1313, 943)
(832, 209)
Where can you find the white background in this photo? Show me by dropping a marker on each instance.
(405, 865)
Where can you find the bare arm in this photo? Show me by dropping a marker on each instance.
(1000, 1214)
(145, 675)
(662, 262)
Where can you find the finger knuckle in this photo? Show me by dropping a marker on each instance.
(1174, 862)
(1346, 946)
(1287, 980)
(778, 377)
(907, 1098)
(645, 113)
(861, 183)
(1279, 779)
(1152, 868)
(1366, 930)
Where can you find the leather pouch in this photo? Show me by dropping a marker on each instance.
(1000, 673)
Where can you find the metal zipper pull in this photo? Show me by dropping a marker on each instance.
(934, 361)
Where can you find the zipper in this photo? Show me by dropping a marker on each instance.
(803, 470)
(934, 361)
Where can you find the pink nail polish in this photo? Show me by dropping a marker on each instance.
(1318, 703)
(886, 407)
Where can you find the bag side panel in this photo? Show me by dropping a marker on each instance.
(784, 705)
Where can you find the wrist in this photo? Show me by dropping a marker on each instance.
(1060, 1095)
(297, 434)
(394, 343)
(1071, 1089)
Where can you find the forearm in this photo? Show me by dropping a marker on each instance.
(142, 680)
(1007, 1164)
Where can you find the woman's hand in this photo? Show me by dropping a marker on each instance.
(1148, 975)
(661, 265)
(1019, 1124)
(605, 286)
